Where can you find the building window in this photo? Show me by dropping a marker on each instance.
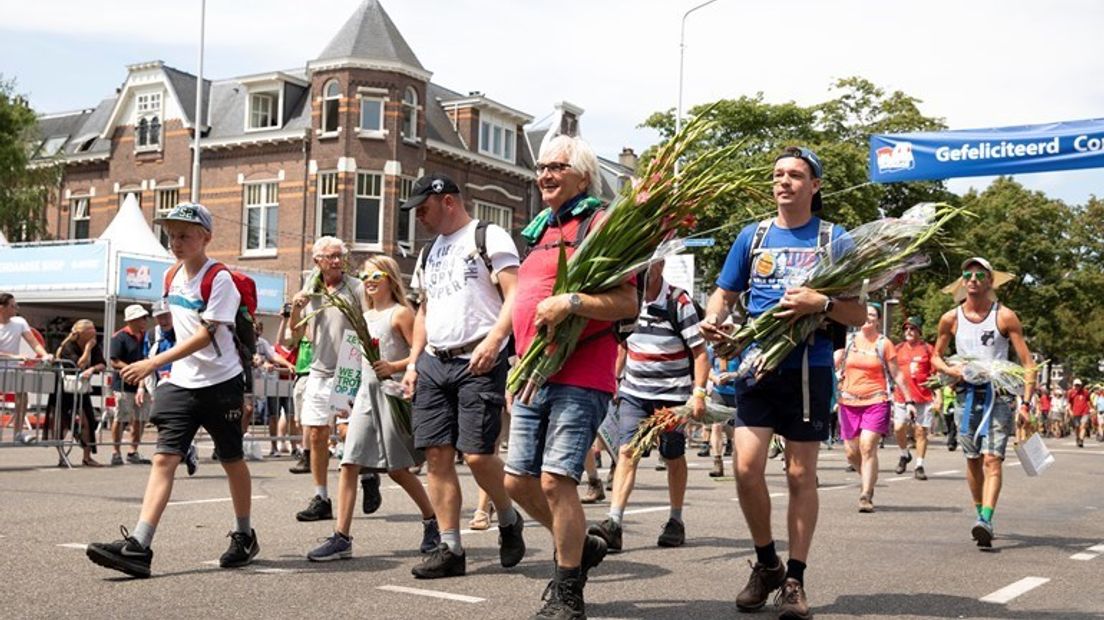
(261, 221)
(147, 122)
(136, 192)
(166, 200)
(502, 216)
(78, 207)
(331, 104)
(497, 139)
(371, 114)
(263, 111)
(404, 220)
(327, 204)
(366, 218)
(410, 114)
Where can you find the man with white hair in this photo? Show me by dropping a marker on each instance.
(551, 435)
(327, 325)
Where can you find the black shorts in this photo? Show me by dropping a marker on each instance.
(453, 407)
(776, 402)
(179, 412)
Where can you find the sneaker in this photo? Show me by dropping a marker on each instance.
(850, 468)
(774, 450)
(26, 439)
(563, 600)
(511, 544)
(661, 464)
(135, 458)
(983, 533)
(336, 547)
(718, 468)
(318, 510)
(431, 535)
(704, 450)
(302, 466)
(609, 531)
(191, 460)
(243, 548)
(1080, 443)
(594, 551)
(116, 459)
(609, 477)
(728, 447)
(370, 490)
(866, 504)
(791, 602)
(919, 474)
(441, 562)
(902, 463)
(594, 493)
(673, 535)
(952, 443)
(761, 583)
(124, 555)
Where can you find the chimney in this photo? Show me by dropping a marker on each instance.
(569, 118)
(627, 158)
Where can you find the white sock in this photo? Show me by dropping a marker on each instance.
(920, 461)
(320, 491)
(905, 453)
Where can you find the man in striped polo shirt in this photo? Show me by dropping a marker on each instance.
(661, 365)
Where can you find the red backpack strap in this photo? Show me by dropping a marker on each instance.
(170, 273)
(208, 282)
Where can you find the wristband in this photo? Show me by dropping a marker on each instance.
(699, 392)
(411, 367)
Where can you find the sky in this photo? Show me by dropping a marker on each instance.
(975, 64)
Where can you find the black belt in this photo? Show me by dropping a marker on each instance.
(446, 354)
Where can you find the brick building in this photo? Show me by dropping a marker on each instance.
(290, 155)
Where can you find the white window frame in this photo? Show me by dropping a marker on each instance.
(325, 116)
(495, 214)
(379, 95)
(409, 106)
(275, 114)
(322, 193)
(149, 106)
(409, 245)
(507, 148)
(161, 209)
(368, 246)
(266, 202)
(79, 214)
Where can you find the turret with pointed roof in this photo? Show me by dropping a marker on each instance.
(370, 40)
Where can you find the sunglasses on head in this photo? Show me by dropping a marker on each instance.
(977, 275)
(374, 276)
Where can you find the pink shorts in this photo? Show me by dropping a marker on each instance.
(854, 419)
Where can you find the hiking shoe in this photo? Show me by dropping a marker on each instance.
(983, 533)
(866, 504)
(761, 583)
(125, 555)
(594, 551)
(791, 602)
(336, 547)
(243, 548)
(511, 544)
(563, 600)
(441, 562)
(902, 463)
(302, 466)
(673, 535)
(718, 468)
(318, 510)
(116, 459)
(191, 460)
(431, 535)
(594, 492)
(609, 531)
(919, 474)
(370, 489)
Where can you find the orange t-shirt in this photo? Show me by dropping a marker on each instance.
(864, 376)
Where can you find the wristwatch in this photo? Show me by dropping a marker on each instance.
(411, 366)
(575, 302)
(699, 392)
(828, 305)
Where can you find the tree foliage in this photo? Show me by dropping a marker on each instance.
(23, 187)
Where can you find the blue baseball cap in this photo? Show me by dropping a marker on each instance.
(809, 157)
(188, 212)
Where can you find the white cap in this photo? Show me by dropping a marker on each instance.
(134, 311)
(160, 308)
(1077, 382)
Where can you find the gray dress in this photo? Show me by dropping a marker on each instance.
(373, 440)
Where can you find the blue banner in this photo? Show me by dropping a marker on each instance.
(141, 279)
(65, 271)
(271, 291)
(922, 156)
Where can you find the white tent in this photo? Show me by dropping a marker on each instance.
(3, 240)
(128, 232)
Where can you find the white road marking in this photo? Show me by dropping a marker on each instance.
(899, 478)
(81, 546)
(1011, 463)
(1096, 452)
(1097, 548)
(779, 494)
(637, 511)
(209, 501)
(271, 570)
(949, 472)
(433, 594)
(1084, 556)
(1009, 592)
(466, 532)
(838, 487)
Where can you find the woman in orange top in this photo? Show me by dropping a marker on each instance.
(867, 363)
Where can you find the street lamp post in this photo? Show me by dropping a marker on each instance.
(682, 55)
(198, 105)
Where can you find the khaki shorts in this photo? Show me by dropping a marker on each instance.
(923, 415)
(127, 410)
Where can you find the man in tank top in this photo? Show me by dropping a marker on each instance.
(982, 329)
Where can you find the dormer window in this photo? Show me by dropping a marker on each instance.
(331, 101)
(263, 111)
(410, 114)
(147, 121)
(497, 138)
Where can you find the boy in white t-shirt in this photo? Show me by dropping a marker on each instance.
(205, 389)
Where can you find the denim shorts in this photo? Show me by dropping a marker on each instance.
(554, 432)
(1001, 426)
(632, 411)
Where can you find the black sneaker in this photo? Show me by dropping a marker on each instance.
(441, 563)
(762, 582)
(704, 450)
(243, 548)
(952, 443)
(673, 535)
(302, 466)
(318, 510)
(134, 458)
(919, 474)
(609, 531)
(124, 555)
(511, 544)
(371, 498)
(902, 463)
(594, 551)
(191, 460)
(431, 535)
(563, 600)
(728, 447)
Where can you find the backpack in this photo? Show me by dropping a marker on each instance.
(480, 249)
(879, 349)
(243, 331)
(673, 316)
